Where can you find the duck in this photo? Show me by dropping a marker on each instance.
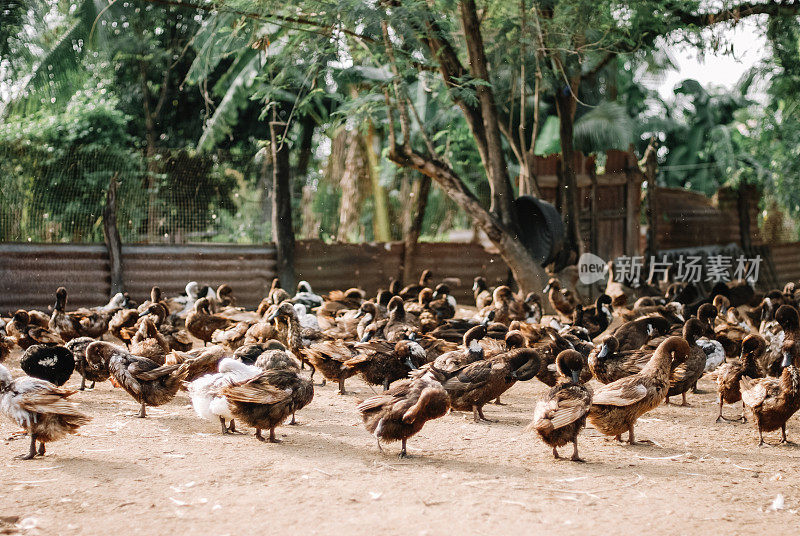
(266, 400)
(410, 292)
(54, 364)
(26, 334)
(93, 372)
(329, 358)
(400, 413)
(598, 317)
(501, 306)
(382, 362)
(481, 292)
(198, 362)
(729, 375)
(177, 338)
(297, 339)
(39, 407)
(305, 296)
(476, 384)
(249, 353)
(145, 380)
(204, 392)
(81, 323)
(442, 304)
(6, 345)
(686, 374)
(399, 323)
(274, 356)
(560, 414)
(773, 401)
(306, 320)
(335, 301)
(634, 334)
(563, 301)
(617, 406)
(149, 342)
(470, 352)
(202, 324)
(729, 331)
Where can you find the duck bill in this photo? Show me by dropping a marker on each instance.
(272, 317)
(546, 289)
(787, 360)
(576, 377)
(367, 336)
(410, 364)
(603, 351)
(360, 313)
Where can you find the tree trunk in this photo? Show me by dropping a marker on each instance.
(112, 239)
(743, 205)
(565, 106)
(421, 191)
(352, 184)
(502, 194)
(650, 170)
(527, 272)
(282, 230)
(380, 225)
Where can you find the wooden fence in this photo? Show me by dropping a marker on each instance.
(30, 273)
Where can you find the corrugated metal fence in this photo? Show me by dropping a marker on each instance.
(30, 273)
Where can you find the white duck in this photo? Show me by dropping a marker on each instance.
(306, 320)
(204, 391)
(715, 353)
(41, 408)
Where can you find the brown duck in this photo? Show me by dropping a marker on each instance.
(402, 411)
(774, 400)
(202, 324)
(560, 414)
(617, 405)
(382, 362)
(729, 374)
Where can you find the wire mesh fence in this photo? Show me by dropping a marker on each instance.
(172, 196)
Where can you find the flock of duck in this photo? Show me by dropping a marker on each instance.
(409, 342)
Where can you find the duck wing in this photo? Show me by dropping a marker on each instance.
(565, 407)
(470, 377)
(622, 392)
(756, 391)
(257, 390)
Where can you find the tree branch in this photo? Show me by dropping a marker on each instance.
(735, 13)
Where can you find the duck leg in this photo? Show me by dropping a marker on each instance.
(272, 438)
(31, 453)
(259, 436)
(341, 387)
(386, 384)
(232, 428)
(631, 440)
(743, 418)
(83, 379)
(683, 399)
(142, 412)
(41, 448)
(555, 454)
(720, 417)
(761, 442)
(403, 452)
(480, 416)
(497, 402)
(380, 448)
(224, 428)
(575, 457)
(293, 421)
(785, 441)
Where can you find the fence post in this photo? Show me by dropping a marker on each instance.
(282, 230)
(650, 170)
(111, 236)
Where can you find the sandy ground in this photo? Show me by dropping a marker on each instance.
(174, 473)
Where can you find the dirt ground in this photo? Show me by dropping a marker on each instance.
(174, 473)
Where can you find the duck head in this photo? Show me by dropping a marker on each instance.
(787, 318)
(368, 310)
(753, 345)
(569, 365)
(158, 311)
(101, 352)
(488, 318)
(693, 329)
(284, 310)
(412, 353)
(304, 286)
(117, 301)
(21, 317)
(192, 290)
(515, 339)
(471, 338)
(395, 287)
(603, 305)
(278, 295)
(524, 363)
(383, 297)
(202, 306)
(707, 313)
(425, 278)
(721, 303)
(441, 291)
(479, 284)
(676, 348)
(425, 296)
(155, 294)
(396, 308)
(225, 294)
(61, 299)
(502, 294)
(609, 346)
